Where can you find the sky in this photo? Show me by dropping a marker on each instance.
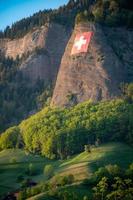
(14, 10)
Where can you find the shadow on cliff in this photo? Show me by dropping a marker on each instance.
(56, 42)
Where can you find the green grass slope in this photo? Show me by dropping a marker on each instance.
(81, 166)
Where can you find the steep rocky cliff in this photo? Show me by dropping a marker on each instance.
(121, 41)
(45, 64)
(51, 41)
(94, 75)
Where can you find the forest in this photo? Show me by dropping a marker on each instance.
(83, 152)
(108, 183)
(18, 98)
(110, 13)
(55, 132)
(15, 92)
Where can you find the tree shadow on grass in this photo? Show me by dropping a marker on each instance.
(120, 155)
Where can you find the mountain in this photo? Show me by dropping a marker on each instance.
(35, 58)
(66, 103)
(43, 54)
(95, 75)
(28, 70)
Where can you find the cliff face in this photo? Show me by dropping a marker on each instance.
(121, 41)
(51, 39)
(94, 75)
(45, 65)
(28, 43)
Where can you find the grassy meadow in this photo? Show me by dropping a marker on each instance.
(13, 163)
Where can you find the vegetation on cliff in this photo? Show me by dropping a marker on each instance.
(17, 97)
(110, 12)
(41, 149)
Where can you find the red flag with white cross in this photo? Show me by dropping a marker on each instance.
(81, 43)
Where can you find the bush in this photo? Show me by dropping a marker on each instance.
(81, 17)
(48, 171)
(21, 195)
(101, 172)
(13, 160)
(98, 14)
(31, 170)
(66, 195)
(108, 171)
(114, 170)
(129, 171)
(85, 198)
(10, 138)
(25, 183)
(63, 180)
(88, 148)
(116, 188)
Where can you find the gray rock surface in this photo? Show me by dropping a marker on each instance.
(94, 75)
(51, 38)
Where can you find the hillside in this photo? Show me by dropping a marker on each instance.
(66, 103)
(14, 163)
(37, 68)
(39, 51)
(28, 69)
(94, 75)
(55, 133)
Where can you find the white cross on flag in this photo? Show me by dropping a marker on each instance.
(81, 43)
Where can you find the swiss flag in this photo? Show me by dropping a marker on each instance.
(81, 43)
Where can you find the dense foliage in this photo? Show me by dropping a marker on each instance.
(108, 183)
(114, 183)
(10, 138)
(110, 12)
(117, 189)
(17, 97)
(64, 15)
(114, 12)
(58, 133)
(46, 186)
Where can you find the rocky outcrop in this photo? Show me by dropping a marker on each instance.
(37, 67)
(121, 41)
(94, 75)
(27, 44)
(51, 41)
